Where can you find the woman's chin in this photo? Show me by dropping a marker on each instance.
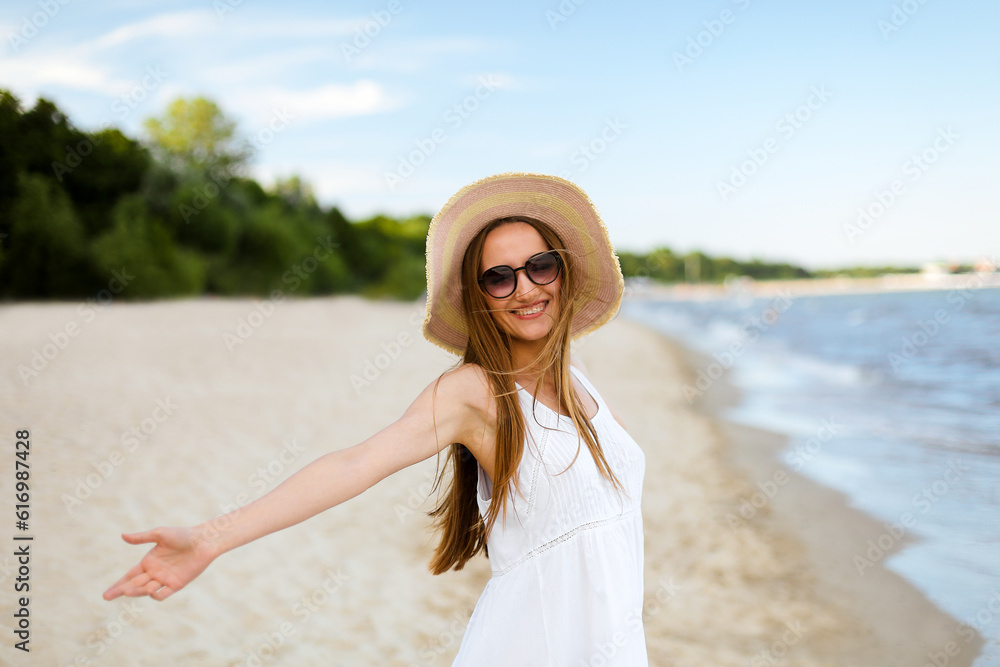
(532, 332)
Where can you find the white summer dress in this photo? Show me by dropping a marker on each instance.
(567, 587)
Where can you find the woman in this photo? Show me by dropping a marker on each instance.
(517, 265)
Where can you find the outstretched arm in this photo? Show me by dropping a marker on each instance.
(181, 554)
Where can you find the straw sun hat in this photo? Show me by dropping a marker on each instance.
(553, 200)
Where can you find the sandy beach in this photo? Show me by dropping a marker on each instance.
(174, 412)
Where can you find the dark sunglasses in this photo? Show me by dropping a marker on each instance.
(501, 281)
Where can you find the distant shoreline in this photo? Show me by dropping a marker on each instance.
(916, 282)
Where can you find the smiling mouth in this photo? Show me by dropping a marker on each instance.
(531, 310)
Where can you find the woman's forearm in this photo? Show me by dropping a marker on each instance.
(326, 482)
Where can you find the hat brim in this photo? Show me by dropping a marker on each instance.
(555, 201)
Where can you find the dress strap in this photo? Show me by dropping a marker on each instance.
(601, 407)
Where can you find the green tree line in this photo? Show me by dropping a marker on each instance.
(178, 212)
(663, 265)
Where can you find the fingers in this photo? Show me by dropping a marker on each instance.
(117, 591)
(147, 587)
(137, 582)
(142, 537)
(153, 588)
(128, 586)
(139, 586)
(162, 594)
(118, 587)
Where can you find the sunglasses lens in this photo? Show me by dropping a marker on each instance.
(543, 269)
(499, 282)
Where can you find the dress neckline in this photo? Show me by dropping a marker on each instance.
(559, 414)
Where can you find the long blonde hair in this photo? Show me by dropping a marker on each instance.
(463, 530)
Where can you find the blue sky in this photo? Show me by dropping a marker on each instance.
(738, 127)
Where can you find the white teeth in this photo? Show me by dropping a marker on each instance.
(530, 311)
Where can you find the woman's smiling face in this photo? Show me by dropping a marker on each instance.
(529, 313)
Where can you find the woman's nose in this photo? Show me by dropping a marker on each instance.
(524, 284)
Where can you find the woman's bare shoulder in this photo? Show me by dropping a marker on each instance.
(468, 383)
(465, 394)
(459, 389)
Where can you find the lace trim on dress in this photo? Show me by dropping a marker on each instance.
(565, 536)
(537, 465)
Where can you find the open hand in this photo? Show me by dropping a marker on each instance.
(180, 555)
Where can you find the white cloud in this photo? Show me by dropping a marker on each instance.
(179, 24)
(73, 66)
(87, 65)
(34, 74)
(444, 46)
(269, 65)
(331, 181)
(200, 23)
(497, 79)
(328, 101)
(298, 28)
(412, 55)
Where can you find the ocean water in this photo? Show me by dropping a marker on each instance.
(892, 398)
